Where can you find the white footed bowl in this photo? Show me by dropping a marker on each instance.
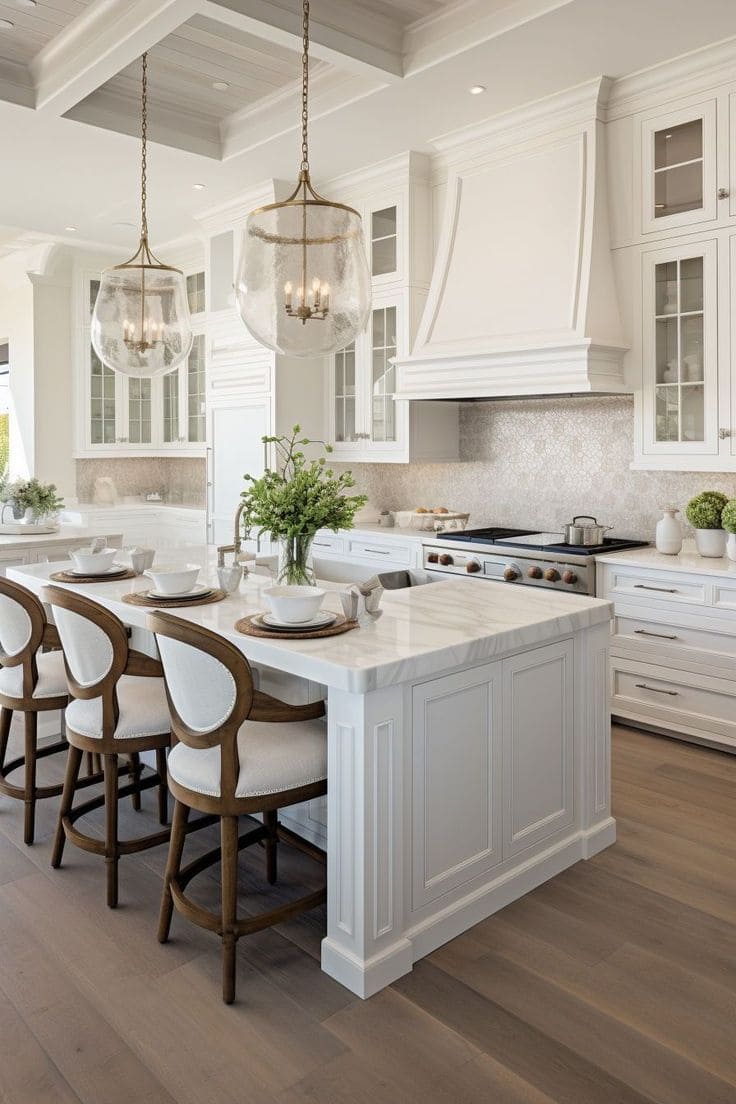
(294, 604)
(173, 578)
(93, 563)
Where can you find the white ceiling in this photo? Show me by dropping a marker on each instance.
(387, 77)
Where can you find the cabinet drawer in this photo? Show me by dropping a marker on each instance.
(656, 588)
(397, 553)
(653, 635)
(675, 699)
(326, 545)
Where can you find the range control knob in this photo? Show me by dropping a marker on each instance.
(551, 574)
(569, 577)
(534, 572)
(472, 566)
(433, 558)
(510, 573)
(446, 559)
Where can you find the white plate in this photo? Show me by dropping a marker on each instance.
(320, 621)
(201, 590)
(116, 569)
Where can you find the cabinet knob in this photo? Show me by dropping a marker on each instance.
(723, 193)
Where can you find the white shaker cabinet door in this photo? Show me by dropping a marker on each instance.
(235, 448)
(538, 749)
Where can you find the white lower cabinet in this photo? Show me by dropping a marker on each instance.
(673, 651)
(352, 556)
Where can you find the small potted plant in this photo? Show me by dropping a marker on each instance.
(728, 521)
(33, 501)
(291, 503)
(704, 514)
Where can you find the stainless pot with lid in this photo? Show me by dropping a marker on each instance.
(586, 535)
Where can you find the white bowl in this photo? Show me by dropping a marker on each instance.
(173, 578)
(93, 563)
(294, 604)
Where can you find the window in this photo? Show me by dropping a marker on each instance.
(383, 241)
(195, 292)
(196, 390)
(171, 406)
(102, 402)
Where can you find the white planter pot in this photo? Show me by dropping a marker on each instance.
(668, 534)
(711, 542)
(731, 546)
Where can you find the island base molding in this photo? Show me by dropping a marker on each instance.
(365, 978)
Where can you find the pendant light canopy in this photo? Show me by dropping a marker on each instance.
(303, 285)
(141, 324)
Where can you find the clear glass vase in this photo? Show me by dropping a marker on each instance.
(295, 561)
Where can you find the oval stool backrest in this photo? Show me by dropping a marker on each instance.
(22, 622)
(95, 644)
(209, 685)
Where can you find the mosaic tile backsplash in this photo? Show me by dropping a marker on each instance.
(179, 480)
(538, 462)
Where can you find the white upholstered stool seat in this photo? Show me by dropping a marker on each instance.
(51, 677)
(273, 758)
(144, 710)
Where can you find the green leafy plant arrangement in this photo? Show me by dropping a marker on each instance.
(296, 499)
(705, 510)
(728, 517)
(42, 498)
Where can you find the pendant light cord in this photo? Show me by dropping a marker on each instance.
(305, 86)
(144, 135)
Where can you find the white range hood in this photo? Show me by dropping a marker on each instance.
(522, 299)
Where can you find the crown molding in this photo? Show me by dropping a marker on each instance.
(681, 76)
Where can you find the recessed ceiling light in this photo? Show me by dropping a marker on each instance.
(198, 187)
(476, 89)
(6, 25)
(220, 86)
(70, 229)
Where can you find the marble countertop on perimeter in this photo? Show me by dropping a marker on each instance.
(424, 631)
(687, 561)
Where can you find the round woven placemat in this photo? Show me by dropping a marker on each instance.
(247, 626)
(142, 598)
(67, 577)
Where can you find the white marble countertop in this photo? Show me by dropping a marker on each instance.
(688, 560)
(10, 542)
(423, 631)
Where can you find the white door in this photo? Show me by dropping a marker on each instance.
(235, 431)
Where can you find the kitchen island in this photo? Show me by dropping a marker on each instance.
(468, 753)
(31, 547)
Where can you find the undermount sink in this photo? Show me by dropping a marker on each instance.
(19, 529)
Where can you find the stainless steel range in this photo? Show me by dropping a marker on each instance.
(520, 556)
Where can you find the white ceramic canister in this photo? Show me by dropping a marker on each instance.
(711, 542)
(731, 546)
(668, 534)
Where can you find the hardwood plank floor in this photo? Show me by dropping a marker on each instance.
(614, 983)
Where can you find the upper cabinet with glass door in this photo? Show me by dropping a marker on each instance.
(678, 156)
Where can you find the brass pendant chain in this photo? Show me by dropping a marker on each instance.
(305, 87)
(144, 129)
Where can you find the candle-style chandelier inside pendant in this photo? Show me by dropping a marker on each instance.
(302, 261)
(140, 323)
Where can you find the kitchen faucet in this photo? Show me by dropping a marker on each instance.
(237, 544)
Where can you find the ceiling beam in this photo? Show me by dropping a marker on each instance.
(340, 34)
(102, 40)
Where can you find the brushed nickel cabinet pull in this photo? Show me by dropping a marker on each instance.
(656, 689)
(662, 590)
(660, 636)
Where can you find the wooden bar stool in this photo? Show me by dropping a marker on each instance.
(118, 707)
(240, 752)
(32, 681)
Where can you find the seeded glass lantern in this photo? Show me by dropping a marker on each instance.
(140, 324)
(303, 285)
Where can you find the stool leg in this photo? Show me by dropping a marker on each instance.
(31, 733)
(135, 797)
(111, 828)
(270, 819)
(229, 844)
(163, 793)
(73, 763)
(6, 717)
(89, 760)
(173, 865)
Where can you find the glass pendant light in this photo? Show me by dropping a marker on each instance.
(303, 285)
(141, 324)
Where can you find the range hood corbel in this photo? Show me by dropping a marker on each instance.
(522, 300)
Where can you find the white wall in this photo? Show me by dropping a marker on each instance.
(53, 415)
